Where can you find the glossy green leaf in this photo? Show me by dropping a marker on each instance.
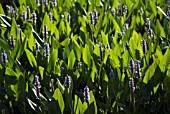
(31, 58)
(53, 60)
(58, 96)
(71, 60)
(86, 55)
(149, 73)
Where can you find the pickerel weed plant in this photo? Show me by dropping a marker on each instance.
(115, 52)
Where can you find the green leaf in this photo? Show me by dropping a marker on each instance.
(10, 76)
(41, 70)
(160, 28)
(58, 96)
(31, 58)
(39, 40)
(1, 10)
(10, 72)
(22, 2)
(104, 38)
(53, 60)
(71, 60)
(165, 61)
(149, 73)
(14, 28)
(65, 42)
(31, 41)
(153, 7)
(86, 55)
(60, 86)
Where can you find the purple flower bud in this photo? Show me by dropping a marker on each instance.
(68, 17)
(54, 3)
(28, 12)
(91, 18)
(95, 16)
(112, 74)
(101, 51)
(168, 13)
(120, 8)
(18, 26)
(141, 10)
(132, 87)
(112, 37)
(37, 85)
(68, 81)
(62, 16)
(38, 2)
(113, 12)
(12, 11)
(108, 46)
(45, 33)
(86, 94)
(46, 3)
(138, 73)
(150, 33)
(4, 57)
(144, 47)
(24, 15)
(50, 16)
(12, 41)
(125, 9)
(46, 50)
(125, 26)
(148, 23)
(34, 17)
(80, 64)
(132, 66)
(62, 71)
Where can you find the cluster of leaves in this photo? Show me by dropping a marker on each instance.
(78, 56)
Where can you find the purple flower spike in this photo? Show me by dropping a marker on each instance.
(68, 81)
(4, 57)
(132, 66)
(86, 94)
(138, 69)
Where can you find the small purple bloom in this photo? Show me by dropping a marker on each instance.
(91, 18)
(47, 50)
(34, 17)
(37, 85)
(24, 15)
(28, 12)
(54, 3)
(96, 16)
(132, 87)
(86, 94)
(138, 69)
(4, 57)
(68, 81)
(132, 66)
(12, 41)
(144, 46)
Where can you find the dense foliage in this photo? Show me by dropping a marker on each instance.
(85, 56)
